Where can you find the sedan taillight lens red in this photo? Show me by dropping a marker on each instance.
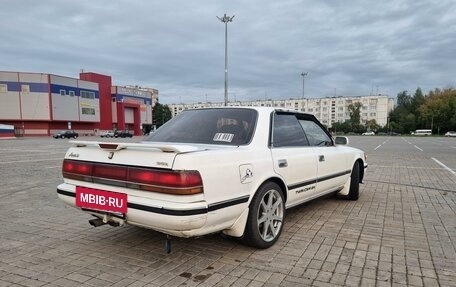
(76, 169)
(183, 182)
(171, 182)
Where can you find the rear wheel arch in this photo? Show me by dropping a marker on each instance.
(242, 224)
(266, 214)
(277, 181)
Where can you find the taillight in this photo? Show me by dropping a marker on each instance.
(79, 170)
(183, 182)
(171, 182)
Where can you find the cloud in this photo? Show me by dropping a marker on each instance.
(177, 46)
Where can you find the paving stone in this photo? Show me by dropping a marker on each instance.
(401, 231)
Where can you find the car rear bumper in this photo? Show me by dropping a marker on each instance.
(182, 219)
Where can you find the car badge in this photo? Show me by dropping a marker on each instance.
(111, 155)
(73, 155)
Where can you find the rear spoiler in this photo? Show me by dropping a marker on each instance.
(114, 146)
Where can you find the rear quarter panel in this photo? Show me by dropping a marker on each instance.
(224, 177)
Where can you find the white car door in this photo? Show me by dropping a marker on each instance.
(294, 160)
(332, 171)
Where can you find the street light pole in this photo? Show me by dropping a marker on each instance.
(303, 75)
(225, 19)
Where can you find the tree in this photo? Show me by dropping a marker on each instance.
(355, 117)
(416, 101)
(396, 127)
(355, 113)
(408, 123)
(404, 100)
(439, 109)
(402, 118)
(160, 114)
(436, 111)
(372, 125)
(339, 127)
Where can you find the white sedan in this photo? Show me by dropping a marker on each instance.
(234, 170)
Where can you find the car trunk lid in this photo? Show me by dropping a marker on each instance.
(134, 154)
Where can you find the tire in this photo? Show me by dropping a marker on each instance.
(266, 217)
(353, 193)
(62, 137)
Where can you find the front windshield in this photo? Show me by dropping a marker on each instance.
(208, 126)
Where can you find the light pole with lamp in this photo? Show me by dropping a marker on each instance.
(225, 19)
(303, 75)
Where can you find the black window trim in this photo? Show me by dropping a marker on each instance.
(299, 116)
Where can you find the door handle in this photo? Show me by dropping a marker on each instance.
(321, 158)
(283, 163)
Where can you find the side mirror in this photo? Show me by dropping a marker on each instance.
(341, 140)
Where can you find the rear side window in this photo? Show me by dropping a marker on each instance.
(209, 126)
(287, 131)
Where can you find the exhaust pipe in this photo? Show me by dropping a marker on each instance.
(96, 222)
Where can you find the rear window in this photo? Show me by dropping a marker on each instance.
(208, 126)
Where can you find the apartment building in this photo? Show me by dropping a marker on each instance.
(328, 110)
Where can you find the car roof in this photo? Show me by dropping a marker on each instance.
(262, 110)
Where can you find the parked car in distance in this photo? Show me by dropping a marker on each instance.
(122, 134)
(368, 134)
(231, 169)
(107, 134)
(66, 134)
(450, 134)
(426, 132)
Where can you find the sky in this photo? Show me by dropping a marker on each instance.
(347, 48)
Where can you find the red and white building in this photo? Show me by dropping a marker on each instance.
(42, 104)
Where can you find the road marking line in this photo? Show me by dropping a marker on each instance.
(377, 147)
(31, 160)
(404, 166)
(418, 148)
(406, 141)
(444, 166)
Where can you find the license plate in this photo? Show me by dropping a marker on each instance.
(101, 200)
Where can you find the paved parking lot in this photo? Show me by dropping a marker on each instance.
(401, 232)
